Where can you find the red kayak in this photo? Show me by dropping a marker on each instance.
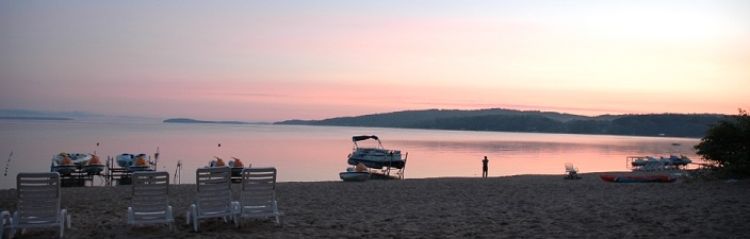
(638, 179)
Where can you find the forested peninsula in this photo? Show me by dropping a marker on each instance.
(507, 120)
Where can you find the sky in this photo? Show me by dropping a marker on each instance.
(278, 60)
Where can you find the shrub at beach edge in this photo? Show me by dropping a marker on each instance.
(727, 144)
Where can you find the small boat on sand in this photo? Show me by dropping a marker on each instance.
(358, 173)
(637, 178)
(375, 157)
(353, 176)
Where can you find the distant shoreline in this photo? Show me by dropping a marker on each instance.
(507, 120)
(195, 121)
(32, 118)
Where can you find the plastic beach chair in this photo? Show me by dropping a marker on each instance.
(150, 201)
(38, 203)
(572, 171)
(214, 198)
(258, 195)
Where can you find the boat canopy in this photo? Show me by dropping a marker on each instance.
(364, 137)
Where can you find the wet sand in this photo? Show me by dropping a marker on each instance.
(527, 206)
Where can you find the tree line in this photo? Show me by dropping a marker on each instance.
(672, 125)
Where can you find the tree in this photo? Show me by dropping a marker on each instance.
(728, 144)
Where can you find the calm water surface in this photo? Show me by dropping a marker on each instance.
(307, 153)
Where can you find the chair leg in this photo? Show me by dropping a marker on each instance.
(237, 211)
(4, 217)
(170, 218)
(187, 217)
(194, 210)
(63, 222)
(131, 216)
(14, 224)
(12, 231)
(276, 213)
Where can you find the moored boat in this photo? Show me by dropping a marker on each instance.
(637, 178)
(94, 166)
(140, 164)
(650, 163)
(80, 159)
(133, 162)
(681, 160)
(236, 166)
(62, 164)
(125, 160)
(217, 162)
(375, 157)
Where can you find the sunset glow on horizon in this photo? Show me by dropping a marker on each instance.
(310, 60)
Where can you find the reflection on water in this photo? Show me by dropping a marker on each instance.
(304, 153)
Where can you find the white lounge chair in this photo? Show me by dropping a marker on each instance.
(38, 203)
(150, 201)
(258, 195)
(571, 171)
(214, 198)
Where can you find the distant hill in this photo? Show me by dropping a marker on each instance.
(416, 118)
(24, 114)
(194, 121)
(32, 114)
(32, 118)
(674, 125)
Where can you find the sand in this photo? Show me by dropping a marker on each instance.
(529, 206)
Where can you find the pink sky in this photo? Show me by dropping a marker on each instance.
(284, 60)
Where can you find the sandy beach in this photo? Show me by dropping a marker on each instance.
(527, 206)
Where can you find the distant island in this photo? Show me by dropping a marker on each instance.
(508, 120)
(32, 118)
(194, 121)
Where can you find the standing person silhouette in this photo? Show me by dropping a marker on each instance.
(484, 166)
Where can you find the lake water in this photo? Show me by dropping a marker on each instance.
(317, 153)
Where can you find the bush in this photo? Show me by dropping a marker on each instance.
(727, 144)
